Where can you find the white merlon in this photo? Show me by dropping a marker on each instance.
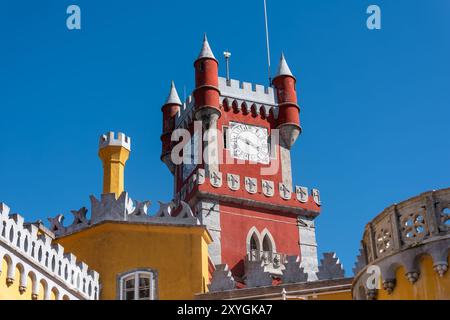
(283, 68)
(206, 51)
(22, 243)
(246, 91)
(173, 97)
(110, 139)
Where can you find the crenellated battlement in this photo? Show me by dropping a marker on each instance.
(37, 254)
(247, 91)
(110, 139)
(123, 209)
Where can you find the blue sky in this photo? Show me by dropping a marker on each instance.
(375, 104)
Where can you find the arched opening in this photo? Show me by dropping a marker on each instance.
(141, 284)
(267, 244)
(254, 243)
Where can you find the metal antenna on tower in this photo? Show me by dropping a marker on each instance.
(227, 56)
(267, 42)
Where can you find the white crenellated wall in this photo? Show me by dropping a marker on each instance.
(35, 255)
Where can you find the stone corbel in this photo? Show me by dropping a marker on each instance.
(441, 268)
(372, 294)
(9, 281)
(389, 285)
(412, 276)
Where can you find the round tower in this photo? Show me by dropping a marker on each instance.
(170, 109)
(288, 115)
(206, 93)
(114, 153)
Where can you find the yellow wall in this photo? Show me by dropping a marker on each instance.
(179, 254)
(429, 286)
(342, 295)
(12, 292)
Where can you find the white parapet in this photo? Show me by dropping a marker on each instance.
(35, 254)
(110, 139)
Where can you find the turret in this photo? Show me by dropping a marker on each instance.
(206, 93)
(114, 153)
(288, 116)
(170, 109)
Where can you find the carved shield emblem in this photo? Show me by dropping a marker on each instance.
(200, 176)
(216, 179)
(268, 188)
(250, 185)
(285, 192)
(316, 196)
(302, 194)
(233, 181)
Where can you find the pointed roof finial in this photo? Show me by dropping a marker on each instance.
(173, 97)
(206, 51)
(283, 68)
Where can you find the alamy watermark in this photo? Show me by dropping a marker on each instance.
(242, 143)
(374, 20)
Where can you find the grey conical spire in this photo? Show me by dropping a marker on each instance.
(283, 68)
(173, 97)
(206, 51)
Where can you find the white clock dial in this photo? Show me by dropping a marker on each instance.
(249, 142)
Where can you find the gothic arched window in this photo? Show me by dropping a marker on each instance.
(267, 244)
(254, 243)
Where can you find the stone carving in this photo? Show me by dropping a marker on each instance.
(383, 238)
(268, 188)
(316, 196)
(372, 294)
(293, 273)
(441, 269)
(285, 192)
(200, 176)
(234, 181)
(125, 209)
(302, 194)
(216, 179)
(414, 227)
(330, 267)
(251, 185)
(141, 208)
(222, 279)
(56, 223)
(165, 209)
(389, 285)
(79, 216)
(412, 276)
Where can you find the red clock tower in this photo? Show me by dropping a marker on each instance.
(239, 180)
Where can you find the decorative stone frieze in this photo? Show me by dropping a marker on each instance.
(124, 209)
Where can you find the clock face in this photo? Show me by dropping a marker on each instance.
(249, 142)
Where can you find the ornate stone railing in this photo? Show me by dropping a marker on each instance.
(24, 247)
(274, 259)
(402, 233)
(407, 224)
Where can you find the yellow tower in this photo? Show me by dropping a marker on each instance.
(114, 152)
